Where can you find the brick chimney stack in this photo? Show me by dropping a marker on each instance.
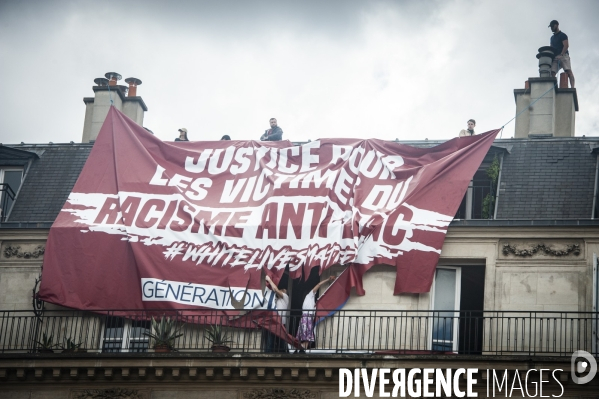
(97, 107)
(543, 109)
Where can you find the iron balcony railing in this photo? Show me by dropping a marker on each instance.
(7, 197)
(346, 331)
(482, 204)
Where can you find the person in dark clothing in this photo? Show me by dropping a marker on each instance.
(559, 42)
(275, 133)
(182, 135)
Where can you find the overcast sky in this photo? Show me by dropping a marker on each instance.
(361, 69)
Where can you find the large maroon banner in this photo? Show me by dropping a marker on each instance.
(152, 224)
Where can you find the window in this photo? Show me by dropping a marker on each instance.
(10, 182)
(446, 300)
(457, 324)
(124, 335)
(479, 200)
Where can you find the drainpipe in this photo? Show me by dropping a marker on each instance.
(595, 190)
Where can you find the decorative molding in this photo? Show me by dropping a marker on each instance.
(111, 393)
(541, 248)
(14, 251)
(279, 393)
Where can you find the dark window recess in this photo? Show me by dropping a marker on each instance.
(482, 195)
(122, 335)
(461, 213)
(472, 296)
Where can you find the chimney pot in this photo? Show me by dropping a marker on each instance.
(545, 57)
(563, 81)
(113, 77)
(527, 85)
(133, 83)
(101, 81)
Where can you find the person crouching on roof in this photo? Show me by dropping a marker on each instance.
(182, 135)
(470, 130)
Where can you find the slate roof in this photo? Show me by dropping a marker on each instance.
(548, 179)
(48, 181)
(541, 179)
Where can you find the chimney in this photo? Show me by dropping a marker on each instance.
(97, 107)
(543, 109)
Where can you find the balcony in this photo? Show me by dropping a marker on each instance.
(478, 202)
(364, 332)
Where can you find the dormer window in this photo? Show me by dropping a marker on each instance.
(13, 164)
(479, 200)
(10, 182)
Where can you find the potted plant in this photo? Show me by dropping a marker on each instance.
(164, 333)
(46, 344)
(71, 346)
(218, 336)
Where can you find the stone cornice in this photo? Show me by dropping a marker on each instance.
(254, 375)
(538, 232)
(109, 364)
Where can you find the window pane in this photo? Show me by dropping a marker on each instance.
(138, 341)
(139, 346)
(110, 346)
(138, 328)
(445, 290)
(113, 334)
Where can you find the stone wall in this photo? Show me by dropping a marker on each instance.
(21, 257)
(525, 269)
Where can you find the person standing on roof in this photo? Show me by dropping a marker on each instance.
(182, 135)
(559, 42)
(275, 133)
(470, 130)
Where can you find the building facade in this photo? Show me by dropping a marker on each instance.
(515, 288)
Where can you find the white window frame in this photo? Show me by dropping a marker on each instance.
(125, 339)
(456, 324)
